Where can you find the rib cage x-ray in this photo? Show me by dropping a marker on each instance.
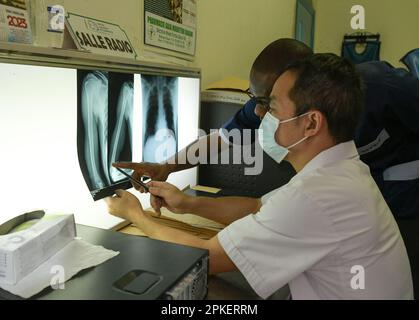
(160, 117)
(105, 122)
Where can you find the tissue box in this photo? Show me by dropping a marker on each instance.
(29, 240)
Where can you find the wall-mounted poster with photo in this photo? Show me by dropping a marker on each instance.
(171, 25)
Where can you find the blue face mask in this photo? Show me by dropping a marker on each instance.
(266, 137)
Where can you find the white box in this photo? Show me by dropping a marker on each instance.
(23, 251)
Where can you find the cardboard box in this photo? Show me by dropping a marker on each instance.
(29, 240)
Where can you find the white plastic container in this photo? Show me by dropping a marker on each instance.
(23, 251)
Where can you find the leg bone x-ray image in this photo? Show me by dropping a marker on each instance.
(160, 117)
(104, 129)
(120, 122)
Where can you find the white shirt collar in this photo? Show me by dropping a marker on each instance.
(339, 152)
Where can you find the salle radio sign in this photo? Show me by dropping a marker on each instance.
(99, 36)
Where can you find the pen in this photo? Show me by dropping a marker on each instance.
(142, 184)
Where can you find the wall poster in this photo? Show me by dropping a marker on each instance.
(14, 22)
(171, 24)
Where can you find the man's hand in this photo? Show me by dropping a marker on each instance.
(156, 171)
(124, 205)
(164, 194)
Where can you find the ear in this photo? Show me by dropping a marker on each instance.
(314, 123)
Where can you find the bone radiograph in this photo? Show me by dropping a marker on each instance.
(160, 117)
(120, 121)
(94, 110)
(104, 133)
(106, 125)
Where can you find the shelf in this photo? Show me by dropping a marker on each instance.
(69, 58)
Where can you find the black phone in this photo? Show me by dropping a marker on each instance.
(139, 182)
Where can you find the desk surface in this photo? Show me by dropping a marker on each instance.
(168, 261)
(226, 286)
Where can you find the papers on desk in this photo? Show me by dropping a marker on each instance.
(193, 220)
(192, 224)
(73, 258)
(206, 189)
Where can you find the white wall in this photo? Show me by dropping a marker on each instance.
(232, 33)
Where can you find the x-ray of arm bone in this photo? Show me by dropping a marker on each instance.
(105, 128)
(160, 117)
(94, 110)
(122, 132)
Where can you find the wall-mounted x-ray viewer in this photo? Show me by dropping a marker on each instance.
(39, 135)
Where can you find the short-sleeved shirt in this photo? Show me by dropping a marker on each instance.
(387, 136)
(328, 233)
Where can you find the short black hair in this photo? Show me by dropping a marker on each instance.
(331, 85)
(274, 59)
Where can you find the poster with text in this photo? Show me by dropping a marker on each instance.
(14, 22)
(171, 24)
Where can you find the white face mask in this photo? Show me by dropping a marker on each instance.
(266, 137)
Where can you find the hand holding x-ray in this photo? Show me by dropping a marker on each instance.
(124, 205)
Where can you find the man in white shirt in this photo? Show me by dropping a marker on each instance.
(328, 232)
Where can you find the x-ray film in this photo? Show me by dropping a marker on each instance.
(160, 117)
(104, 129)
(126, 117)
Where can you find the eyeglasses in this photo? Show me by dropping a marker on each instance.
(263, 101)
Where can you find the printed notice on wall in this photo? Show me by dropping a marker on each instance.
(99, 36)
(14, 22)
(171, 24)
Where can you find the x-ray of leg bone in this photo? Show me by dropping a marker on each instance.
(122, 115)
(160, 117)
(105, 108)
(93, 129)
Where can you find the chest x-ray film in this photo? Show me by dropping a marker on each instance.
(160, 117)
(105, 128)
